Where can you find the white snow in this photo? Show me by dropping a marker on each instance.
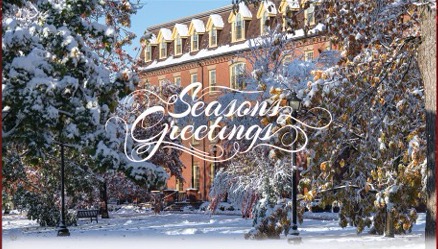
(131, 229)
(204, 53)
(198, 25)
(293, 4)
(269, 6)
(182, 29)
(217, 20)
(244, 10)
(166, 33)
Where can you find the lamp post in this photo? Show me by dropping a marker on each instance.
(214, 162)
(295, 104)
(63, 230)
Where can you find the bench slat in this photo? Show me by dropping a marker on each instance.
(87, 214)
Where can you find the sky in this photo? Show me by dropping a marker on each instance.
(160, 11)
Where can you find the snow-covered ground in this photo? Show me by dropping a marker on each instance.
(129, 228)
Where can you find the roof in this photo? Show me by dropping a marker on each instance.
(222, 50)
(166, 34)
(217, 20)
(269, 6)
(198, 25)
(182, 29)
(244, 10)
(188, 18)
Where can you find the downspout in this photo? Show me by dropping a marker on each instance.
(203, 142)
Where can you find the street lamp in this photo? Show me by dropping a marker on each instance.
(63, 230)
(295, 104)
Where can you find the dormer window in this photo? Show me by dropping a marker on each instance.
(237, 21)
(163, 49)
(239, 26)
(178, 45)
(309, 15)
(195, 42)
(196, 28)
(164, 36)
(214, 24)
(266, 10)
(213, 37)
(148, 53)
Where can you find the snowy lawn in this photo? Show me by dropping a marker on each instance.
(129, 229)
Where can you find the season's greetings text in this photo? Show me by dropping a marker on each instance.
(256, 134)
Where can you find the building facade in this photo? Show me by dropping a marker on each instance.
(208, 48)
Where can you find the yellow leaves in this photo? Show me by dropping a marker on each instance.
(324, 166)
(309, 196)
(317, 74)
(342, 163)
(265, 121)
(275, 91)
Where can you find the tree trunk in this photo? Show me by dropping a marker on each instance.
(427, 63)
(389, 227)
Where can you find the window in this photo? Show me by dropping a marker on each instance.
(196, 176)
(308, 55)
(163, 49)
(194, 77)
(237, 71)
(309, 15)
(264, 23)
(177, 81)
(238, 28)
(178, 185)
(148, 53)
(178, 45)
(212, 80)
(213, 37)
(195, 42)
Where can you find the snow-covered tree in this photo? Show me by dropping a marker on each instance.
(376, 145)
(63, 75)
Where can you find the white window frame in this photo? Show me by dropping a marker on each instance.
(235, 75)
(178, 45)
(163, 49)
(148, 53)
(213, 37)
(212, 81)
(235, 28)
(195, 42)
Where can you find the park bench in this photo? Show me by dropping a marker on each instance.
(93, 213)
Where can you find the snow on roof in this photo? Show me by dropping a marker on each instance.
(217, 20)
(166, 33)
(182, 29)
(270, 7)
(204, 53)
(244, 10)
(293, 3)
(153, 39)
(198, 25)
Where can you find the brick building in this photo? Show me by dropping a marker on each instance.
(205, 47)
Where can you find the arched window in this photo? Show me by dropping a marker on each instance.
(239, 26)
(237, 72)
